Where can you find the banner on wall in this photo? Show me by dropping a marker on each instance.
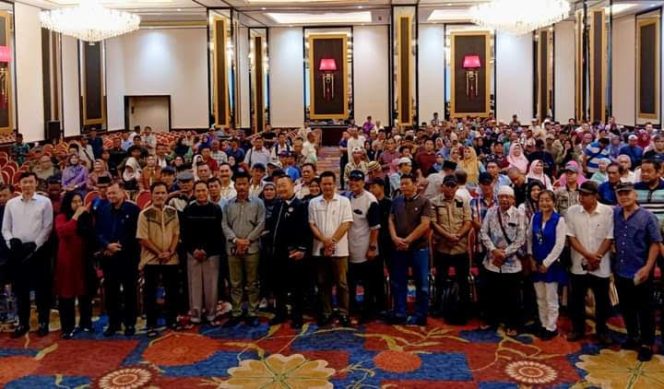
(470, 60)
(328, 72)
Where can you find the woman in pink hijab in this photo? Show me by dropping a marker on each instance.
(644, 139)
(517, 159)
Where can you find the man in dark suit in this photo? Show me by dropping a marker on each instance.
(290, 238)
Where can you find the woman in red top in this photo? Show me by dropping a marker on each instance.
(72, 225)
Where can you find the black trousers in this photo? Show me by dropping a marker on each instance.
(182, 300)
(67, 309)
(169, 280)
(33, 274)
(502, 297)
(120, 279)
(370, 275)
(577, 304)
(637, 307)
(461, 265)
(289, 276)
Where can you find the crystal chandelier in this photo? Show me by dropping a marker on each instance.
(519, 16)
(89, 21)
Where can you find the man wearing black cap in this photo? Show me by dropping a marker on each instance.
(590, 233)
(451, 223)
(363, 244)
(637, 241)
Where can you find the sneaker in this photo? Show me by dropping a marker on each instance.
(416, 320)
(645, 353)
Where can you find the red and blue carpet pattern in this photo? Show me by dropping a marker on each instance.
(372, 356)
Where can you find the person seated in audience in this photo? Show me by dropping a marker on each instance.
(75, 175)
(19, 150)
(138, 150)
(149, 140)
(205, 156)
(126, 141)
(151, 173)
(257, 182)
(85, 153)
(117, 156)
(99, 170)
(235, 151)
(131, 177)
(167, 176)
(161, 155)
(182, 150)
(217, 153)
(45, 169)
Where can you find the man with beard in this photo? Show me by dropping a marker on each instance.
(290, 238)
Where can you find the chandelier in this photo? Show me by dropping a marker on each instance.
(518, 16)
(89, 21)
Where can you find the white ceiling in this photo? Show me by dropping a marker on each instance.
(254, 13)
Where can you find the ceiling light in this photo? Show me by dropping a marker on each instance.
(454, 14)
(518, 16)
(302, 18)
(618, 8)
(89, 21)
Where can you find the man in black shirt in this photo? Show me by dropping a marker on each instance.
(377, 188)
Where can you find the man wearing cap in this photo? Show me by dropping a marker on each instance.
(405, 167)
(451, 222)
(356, 162)
(594, 153)
(590, 233)
(330, 218)
(102, 185)
(363, 244)
(637, 242)
(503, 234)
(568, 195)
(179, 200)
(409, 224)
(633, 150)
(355, 140)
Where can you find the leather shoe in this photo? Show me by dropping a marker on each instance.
(277, 319)
(110, 331)
(130, 331)
(43, 330)
(67, 334)
(324, 321)
(645, 353)
(252, 321)
(20, 331)
(344, 321)
(232, 322)
(574, 336)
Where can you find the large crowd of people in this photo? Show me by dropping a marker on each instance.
(488, 219)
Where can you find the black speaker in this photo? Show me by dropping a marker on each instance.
(53, 131)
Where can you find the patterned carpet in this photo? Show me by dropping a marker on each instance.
(373, 356)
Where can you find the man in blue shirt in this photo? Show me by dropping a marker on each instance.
(607, 189)
(634, 151)
(116, 225)
(637, 241)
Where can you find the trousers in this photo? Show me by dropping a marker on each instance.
(332, 271)
(203, 283)
(547, 304)
(243, 271)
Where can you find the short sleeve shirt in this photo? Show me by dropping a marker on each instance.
(408, 214)
(328, 216)
(590, 229)
(366, 217)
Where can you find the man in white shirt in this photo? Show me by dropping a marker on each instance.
(355, 140)
(227, 185)
(26, 227)
(590, 233)
(330, 218)
(363, 246)
(257, 154)
(280, 146)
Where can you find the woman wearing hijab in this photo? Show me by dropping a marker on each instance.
(98, 170)
(517, 159)
(75, 175)
(131, 176)
(530, 206)
(471, 164)
(269, 197)
(562, 181)
(536, 172)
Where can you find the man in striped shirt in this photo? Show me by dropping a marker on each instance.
(650, 191)
(595, 152)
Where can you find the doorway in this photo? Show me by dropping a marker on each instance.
(152, 111)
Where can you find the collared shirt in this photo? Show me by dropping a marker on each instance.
(434, 181)
(408, 214)
(254, 156)
(502, 180)
(219, 156)
(594, 153)
(255, 190)
(633, 238)
(328, 216)
(492, 236)
(228, 192)
(590, 229)
(651, 199)
(30, 220)
(478, 209)
(161, 227)
(607, 193)
(450, 215)
(366, 217)
(565, 198)
(243, 220)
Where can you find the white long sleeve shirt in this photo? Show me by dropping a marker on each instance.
(30, 220)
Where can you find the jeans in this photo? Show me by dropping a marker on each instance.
(418, 259)
(244, 274)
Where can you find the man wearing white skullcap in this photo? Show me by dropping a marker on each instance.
(503, 234)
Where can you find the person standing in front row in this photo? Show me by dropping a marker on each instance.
(116, 235)
(503, 233)
(243, 223)
(202, 238)
(26, 226)
(158, 233)
(590, 233)
(409, 223)
(330, 218)
(637, 240)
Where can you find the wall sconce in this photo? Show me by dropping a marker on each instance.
(471, 63)
(328, 66)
